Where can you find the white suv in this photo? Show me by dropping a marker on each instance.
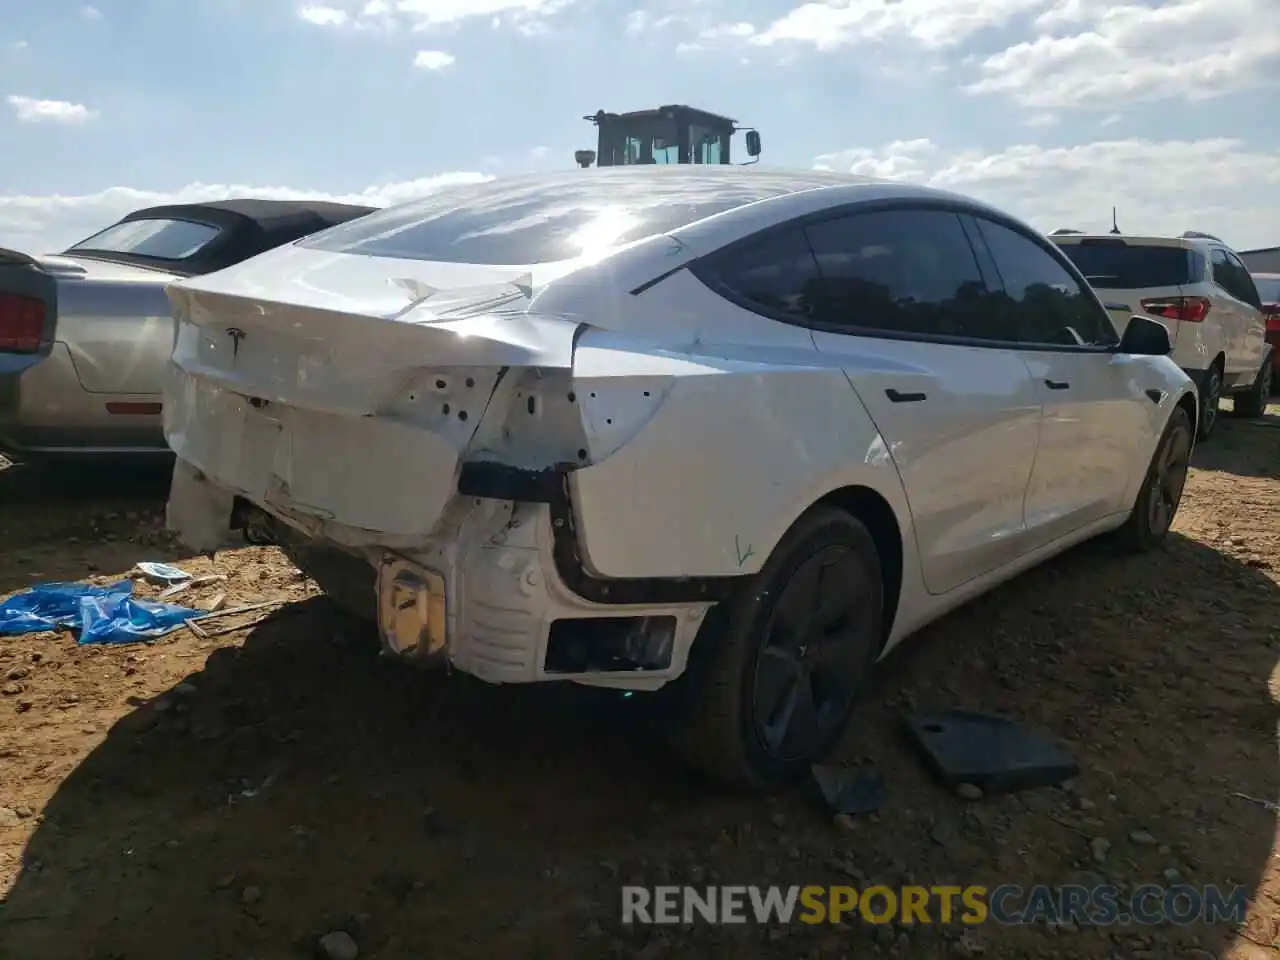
(1200, 289)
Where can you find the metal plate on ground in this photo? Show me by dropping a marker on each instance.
(994, 753)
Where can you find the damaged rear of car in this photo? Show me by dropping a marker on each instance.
(442, 409)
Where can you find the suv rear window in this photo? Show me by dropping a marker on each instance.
(544, 218)
(1123, 266)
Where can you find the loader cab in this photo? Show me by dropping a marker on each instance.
(670, 134)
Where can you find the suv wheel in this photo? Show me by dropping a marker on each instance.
(781, 665)
(1254, 403)
(1209, 403)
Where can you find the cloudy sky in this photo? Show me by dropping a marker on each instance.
(1056, 109)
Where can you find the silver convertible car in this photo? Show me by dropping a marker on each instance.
(85, 335)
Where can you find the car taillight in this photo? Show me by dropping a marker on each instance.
(21, 323)
(1273, 321)
(1190, 309)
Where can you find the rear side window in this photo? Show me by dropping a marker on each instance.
(1118, 265)
(1248, 290)
(1232, 276)
(162, 239)
(1268, 289)
(774, 273)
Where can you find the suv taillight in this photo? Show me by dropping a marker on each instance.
(1190, 309)
(21, 323)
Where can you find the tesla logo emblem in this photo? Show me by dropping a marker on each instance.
(236, 335)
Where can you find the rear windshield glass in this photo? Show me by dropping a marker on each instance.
(160, 238)
(1268, 288)
(542, 219)
(1130, 267)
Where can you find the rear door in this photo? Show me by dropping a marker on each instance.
(1134, 275)
(897, 295)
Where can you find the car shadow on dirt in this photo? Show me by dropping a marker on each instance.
(1246, 448)
(301, 784)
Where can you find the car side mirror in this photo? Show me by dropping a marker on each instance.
(1145, 337)
(753, 143)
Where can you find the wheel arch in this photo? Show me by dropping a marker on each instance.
(871, 508)
(1191, 404)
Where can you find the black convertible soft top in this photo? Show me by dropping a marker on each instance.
(247, 227)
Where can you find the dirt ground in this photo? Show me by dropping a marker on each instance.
(241, 796)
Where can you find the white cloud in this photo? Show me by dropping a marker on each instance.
(1095, 55)
(44, 223)
(433, 59)
(1217, 185)
(1090, 54)
(828, 24)
(91, 13)
(324, 16)
(386, 15)
(640, 21)
(32, 110)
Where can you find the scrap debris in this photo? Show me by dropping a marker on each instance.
(990, 753)
(161, 573)
(849, 792)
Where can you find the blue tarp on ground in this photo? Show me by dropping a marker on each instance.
(109, 614)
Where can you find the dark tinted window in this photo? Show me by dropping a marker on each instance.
(1232, 276)
(1117, 265)
(162, 239)
(774, 273)
(1223, 273)
(1248, 290)
(550, 217)
(910, 271)
(1042, 302)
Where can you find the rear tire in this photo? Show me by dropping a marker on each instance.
(1161, 493)
(1254, 403)
(347, 580)
(1209, 403)
(776, 671)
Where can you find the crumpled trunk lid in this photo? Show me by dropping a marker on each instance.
(351, 396)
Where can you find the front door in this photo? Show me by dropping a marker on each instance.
(1096, 416)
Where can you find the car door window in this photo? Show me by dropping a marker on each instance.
(1248, 289)
(1042, 302)
(1224, 274)
(896, 271)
